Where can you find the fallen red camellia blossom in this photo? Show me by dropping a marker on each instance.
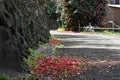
(54, 42)
(57, 66)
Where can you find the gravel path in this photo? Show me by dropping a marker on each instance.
(92, 47)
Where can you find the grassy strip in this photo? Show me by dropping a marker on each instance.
(111, 33)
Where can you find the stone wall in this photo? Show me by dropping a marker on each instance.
(22, 26)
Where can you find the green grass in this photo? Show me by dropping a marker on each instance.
(61, 28)
(111, 33)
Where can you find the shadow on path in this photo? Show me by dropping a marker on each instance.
(91, 53)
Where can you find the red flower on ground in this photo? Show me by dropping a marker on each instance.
(54, 42)
(57, 66)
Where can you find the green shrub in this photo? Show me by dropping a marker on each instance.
(31, 58)
(4, 77)
(51, 9)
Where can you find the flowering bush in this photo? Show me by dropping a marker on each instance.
(57, 66)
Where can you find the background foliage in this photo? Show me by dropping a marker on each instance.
(71, 13)
(51, 9)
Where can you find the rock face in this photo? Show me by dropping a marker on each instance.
(22, 26)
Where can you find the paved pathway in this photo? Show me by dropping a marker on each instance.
(84, 40)
(93, 47)
(93, 44)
